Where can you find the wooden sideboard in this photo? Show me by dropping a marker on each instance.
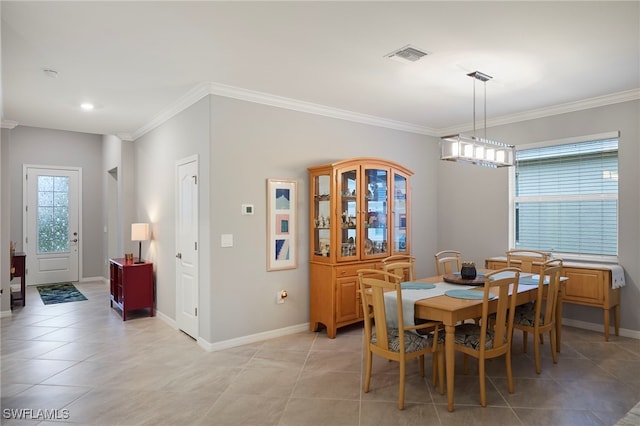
(131, 285)
(587, 284)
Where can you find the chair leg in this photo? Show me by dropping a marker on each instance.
(421, 362)
(483, 388)
(367, 377)
(509, 370)
(434, 368)
(552, 337)
(401, 389)
(525, 338)
(441, 371)
(536, 351)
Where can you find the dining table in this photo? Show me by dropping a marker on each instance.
(450, 311)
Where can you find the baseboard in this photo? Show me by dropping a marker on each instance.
(85, 279)
(634, 334)
(167, 319)
(252, 338)
(5, 314)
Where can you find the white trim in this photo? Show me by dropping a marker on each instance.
(87, 279)
(598, 101)
(211, 88)
(6, 314)
(252, 338)
(168, 320)
(8, 124)
(624, 332)
(574, 139)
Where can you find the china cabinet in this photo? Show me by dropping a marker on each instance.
(359, 214)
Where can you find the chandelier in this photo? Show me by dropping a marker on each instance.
(472, 149)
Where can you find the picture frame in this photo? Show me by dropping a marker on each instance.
(282, 224)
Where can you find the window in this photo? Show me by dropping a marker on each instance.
(566, 198)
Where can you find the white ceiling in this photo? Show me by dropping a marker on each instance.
(137, 61)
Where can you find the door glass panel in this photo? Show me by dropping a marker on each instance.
(53, 214)
(347, 237)
(322, 202)
(399, 213)
(375, 207)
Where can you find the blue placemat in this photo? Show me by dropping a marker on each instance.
(530, 281)
(466, 294)
(416, 285)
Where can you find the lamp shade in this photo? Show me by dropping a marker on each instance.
(140, 232)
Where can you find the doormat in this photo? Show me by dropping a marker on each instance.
(59, 293)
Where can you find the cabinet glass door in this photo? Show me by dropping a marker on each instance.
(400, 214)
(348, 208)
(321, 235)
(375, 212)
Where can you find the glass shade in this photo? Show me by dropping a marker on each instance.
(463, 148)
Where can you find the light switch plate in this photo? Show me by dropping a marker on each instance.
(247, 209)
(226, 240)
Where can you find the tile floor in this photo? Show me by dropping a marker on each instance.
(80, 358)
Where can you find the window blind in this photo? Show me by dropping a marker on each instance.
(566, 198)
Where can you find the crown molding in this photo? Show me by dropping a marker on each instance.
(209, 88)
(8, 124)
(599, 101)
(204, 89)
(184, 102)
(317, 109)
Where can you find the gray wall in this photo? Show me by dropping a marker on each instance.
(156, 154)
(30, 145)
(251, 143)
(472, 201)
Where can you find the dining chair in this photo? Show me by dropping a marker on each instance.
(402, 265)
(484, 341)
(447, 262)
(539, 317)
(526, 260)
(398, 342)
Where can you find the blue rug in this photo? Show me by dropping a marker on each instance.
(59, 293)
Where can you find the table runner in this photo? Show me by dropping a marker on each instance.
(409, 298)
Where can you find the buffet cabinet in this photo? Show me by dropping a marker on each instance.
(359, 215)
(131, 285)
(588, 285)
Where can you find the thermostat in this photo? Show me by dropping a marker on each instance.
(247, 209)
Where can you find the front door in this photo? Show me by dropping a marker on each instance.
(187, 246)
(51, 224)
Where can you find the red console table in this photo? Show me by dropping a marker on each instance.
(18, 294)
(131, 285)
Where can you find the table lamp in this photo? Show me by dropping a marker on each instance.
(140, 232)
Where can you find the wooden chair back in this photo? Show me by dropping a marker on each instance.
(526, 260)
(447, 262)
(396, 344)
(403, 266)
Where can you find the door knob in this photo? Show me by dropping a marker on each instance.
(75, 240)
(179, 255)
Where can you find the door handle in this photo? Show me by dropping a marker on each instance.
(179, 256)
(75, 240)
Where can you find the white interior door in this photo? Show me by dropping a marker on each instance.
(187, 246)
(52, 224)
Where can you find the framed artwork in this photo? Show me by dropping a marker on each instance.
(282, 224)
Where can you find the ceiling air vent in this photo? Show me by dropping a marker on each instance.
(407, 54)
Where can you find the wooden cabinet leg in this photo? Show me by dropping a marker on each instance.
(606, 324)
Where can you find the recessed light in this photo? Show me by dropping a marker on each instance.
(86, 106)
